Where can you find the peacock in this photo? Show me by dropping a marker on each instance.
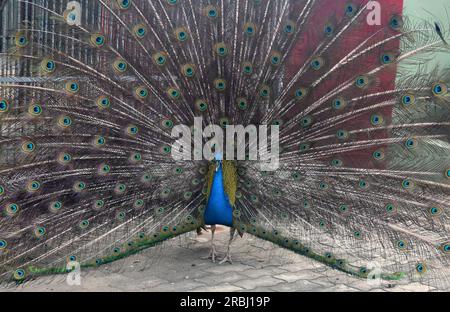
(91, 92)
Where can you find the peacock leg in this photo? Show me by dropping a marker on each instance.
(228, 256)
(212, 254)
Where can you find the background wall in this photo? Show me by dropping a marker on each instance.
(434, 10)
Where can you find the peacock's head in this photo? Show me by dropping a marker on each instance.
(218, 156)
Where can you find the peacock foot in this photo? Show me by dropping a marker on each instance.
(226, 259)
(212, 255)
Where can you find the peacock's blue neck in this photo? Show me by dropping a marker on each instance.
(218, 209)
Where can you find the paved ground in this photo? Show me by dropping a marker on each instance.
(177, 266)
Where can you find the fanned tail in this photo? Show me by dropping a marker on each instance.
(87, 112)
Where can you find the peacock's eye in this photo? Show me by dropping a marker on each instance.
(264, 92)
(446, 248)
(140, 31)
(124, 4)
(275, 58)
(120, 66)
(306, 121)
(12, 209)
(376, 119)
(4, 106)
(408, 100)
(84, 224)
(434, 211)
(137, 156)
(289, 27)
(99, 203)
(317, 63)
(361, 82)
(401, 244)
(159, 58)
(411, 143)
(242, 103)
(220, 84)
(329, 29)
(363, 184)
(201, 105)
(396, 22)
(420, 268)
(19, 274)
(39, 231)
(121, 216)
(97, 40)
(141, 92)
(407, 184)
(378, 155)
(105, 168)
(132, 130)
(65, 121)
(439, 89)
(21, 41)
(35, 185)
(72, 87)
(49, 65)
(249, 29)
(28, 147)
(212, 13)
(386, 59)
(342, 134)
(189, 71)
(349, 10)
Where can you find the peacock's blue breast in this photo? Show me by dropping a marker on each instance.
(218, 209)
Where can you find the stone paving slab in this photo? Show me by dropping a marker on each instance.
(177, 265)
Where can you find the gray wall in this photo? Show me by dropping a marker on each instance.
(433, 10)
